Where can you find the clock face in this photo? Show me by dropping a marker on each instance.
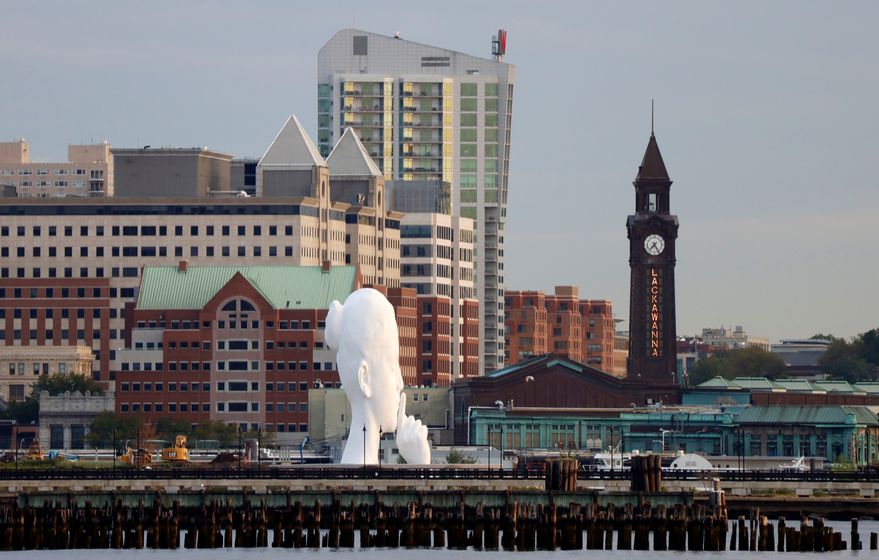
(654, 244)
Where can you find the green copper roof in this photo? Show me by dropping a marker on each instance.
(807, 415)
(718, 382)
(285, 287)
(791, 385)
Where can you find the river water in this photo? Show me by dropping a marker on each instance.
(866, 527)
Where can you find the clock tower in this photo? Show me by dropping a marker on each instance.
(652, 234)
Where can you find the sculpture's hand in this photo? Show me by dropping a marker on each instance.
(411, 437)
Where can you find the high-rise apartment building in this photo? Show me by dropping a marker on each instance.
(88, 171)
(428, 113)
(560, 323)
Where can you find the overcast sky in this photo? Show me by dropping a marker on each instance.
(766, 115)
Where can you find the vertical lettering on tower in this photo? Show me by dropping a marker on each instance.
(654, 313)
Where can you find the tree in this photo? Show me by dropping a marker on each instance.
(58, 384)
(28, 410)
(168, 428)
(456, 457)
(822, 336)
(101, 431)
(226, 435)
(857, 360)
(740, 362)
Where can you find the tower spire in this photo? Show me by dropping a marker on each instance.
(651, 117)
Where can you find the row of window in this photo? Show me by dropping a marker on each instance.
(145, 231)
(96, 174)
(222, 386)
(160, 407)
(38, 368)
(187, 325)
(49, 334)
(230, 365)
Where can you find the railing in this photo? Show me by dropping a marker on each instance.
(533, 471)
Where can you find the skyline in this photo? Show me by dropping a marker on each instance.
(765, 129)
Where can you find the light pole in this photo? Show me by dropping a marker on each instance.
(379, 447)
(662, 432)
(488, 435)
(259, 448)
(611, 449)
(239, 451)
(364, 446)
(114, 451)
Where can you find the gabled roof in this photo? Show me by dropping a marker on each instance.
(350, 158)
(806, 415)
(801, 385)
(284, 287)
(547, 361)
(292, 148)
(758, 383)
(718, 383)
(838, 385)
(652, 167)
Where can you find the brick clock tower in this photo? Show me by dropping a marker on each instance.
(652, 233)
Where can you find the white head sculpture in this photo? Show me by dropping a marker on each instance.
(363, 332)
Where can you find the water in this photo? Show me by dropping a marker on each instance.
(865, 528)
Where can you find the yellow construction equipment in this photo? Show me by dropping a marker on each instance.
(179, 453)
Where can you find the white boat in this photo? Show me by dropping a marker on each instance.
(613, 460)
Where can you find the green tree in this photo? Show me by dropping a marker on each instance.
(822, 336)
(226, 435)
(168, 428)
(855, 360)
(457, 457)
(101, 431)
(28, 410)
(58, 384)
(740, 362)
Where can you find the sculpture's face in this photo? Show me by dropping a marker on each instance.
(387, 384)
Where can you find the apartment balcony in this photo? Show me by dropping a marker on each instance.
(359, 93)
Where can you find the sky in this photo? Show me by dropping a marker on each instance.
(766, 116)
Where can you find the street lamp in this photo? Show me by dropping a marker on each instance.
(662, 432)
(114, 451)
(379, 447)
(488, 436)
(611, 428)
(239, 451)
(364, 446)
(259, 448)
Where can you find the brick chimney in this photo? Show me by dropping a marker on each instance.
(182, 266)
(325, 267)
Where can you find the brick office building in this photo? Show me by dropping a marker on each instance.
(424, 324)
(42, 312)
(98, 245)
(236, 344)
(560, 323)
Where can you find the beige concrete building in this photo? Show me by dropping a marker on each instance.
(65, 419)
(620, 354)
(728, 339)
(88, 171)
(110, 239)
(170, 172)
(329, 418)
(356, 180)
(22, 366)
